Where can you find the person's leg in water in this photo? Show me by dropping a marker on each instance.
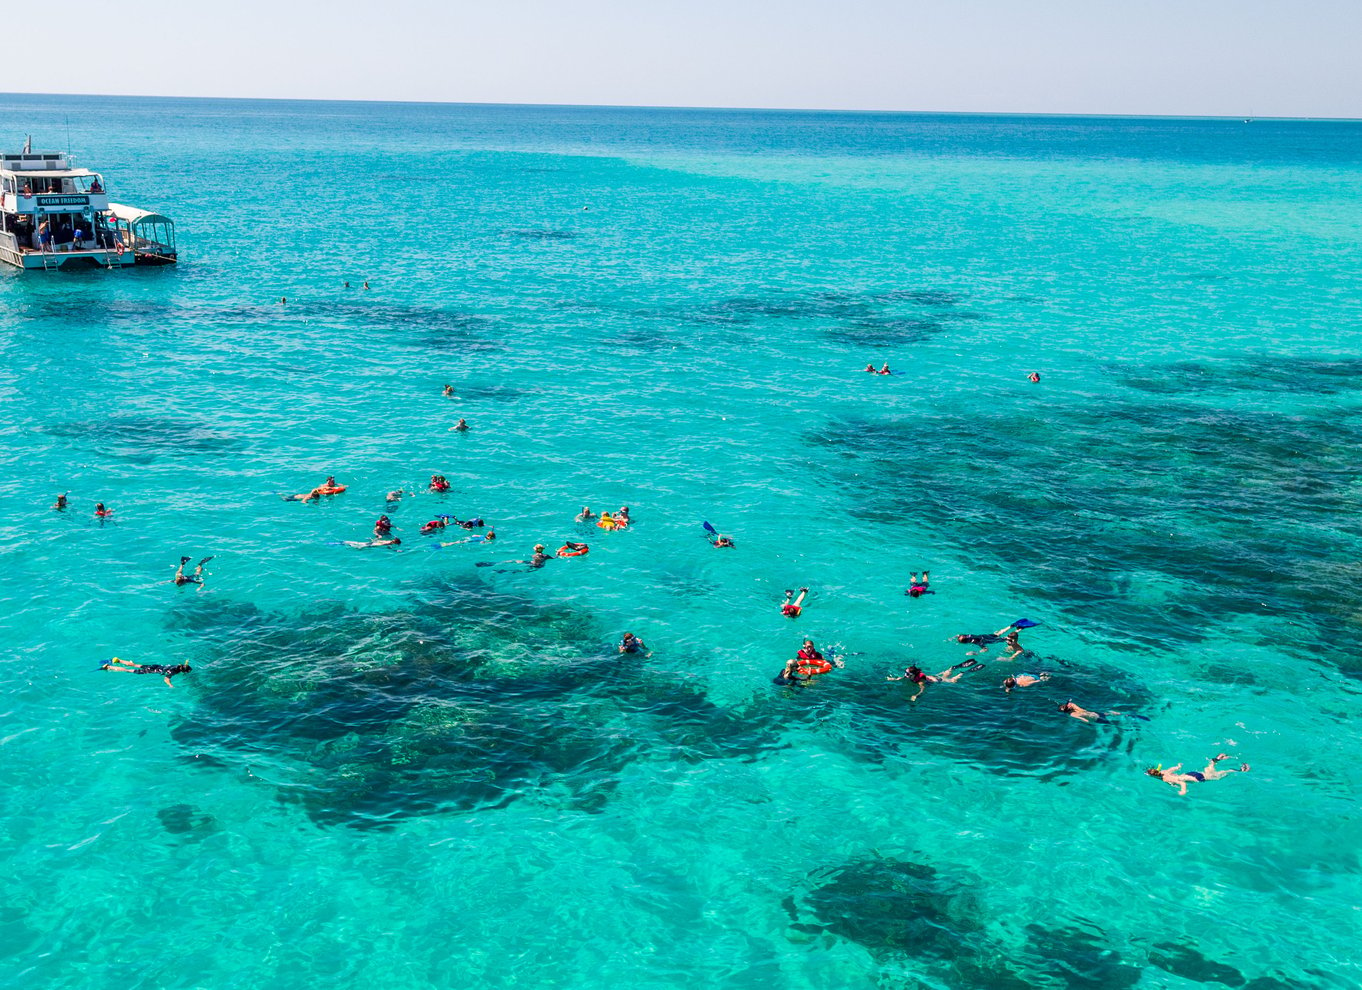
(1213, 773)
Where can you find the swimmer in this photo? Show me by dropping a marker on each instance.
(127, 667)
(1033, 377)
(984, 640)
(1181, 780)
(448, 392)
(101, 512)
(570, 549)
(460, 426)
(885, 370)
(1082, 714)
(439, 522)
(366, 283)
(282, 300)
(622, 519)
(60, 503)
(869, 369)
(438, 483)
(347, 285)
(539, 558)
(376, 542)
(809, 663)
(467, 523)
(1023, 680)
(632, 644)
(327, 487)
(721, 541)
(916, 588)
(607, 521)
(792, 606)
(395, 496)
(196, 578)
(914, 673)
(383, 526)
(790, 675)
(586, 515)
(1013, 643)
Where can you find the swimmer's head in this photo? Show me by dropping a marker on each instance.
(396, 540)
(960, 638)
(538, 547)
(1068, 706)
(914, 592)
(1155, 771)
(1009, 683)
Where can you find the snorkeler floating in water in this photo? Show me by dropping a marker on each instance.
(196, 578)
(438, 483)
(436, 524)
(1083, 715)
(792, 606)
(1023, 680)
(60, 503)
(586, 515)
(376, 542)
(383, 526)
(915, 674)
(448, 392)
(101, 512)
(1181, 780)
(916, 588)
(128, 667)
(327, 487)
(985, 640)
(459, 427)
(632, 644)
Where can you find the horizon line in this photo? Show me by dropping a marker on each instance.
(734, 109)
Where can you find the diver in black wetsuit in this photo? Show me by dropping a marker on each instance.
(128, 667)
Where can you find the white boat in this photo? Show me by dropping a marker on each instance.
(54, 215)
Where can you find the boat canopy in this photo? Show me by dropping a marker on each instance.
(132, 215)
(151, 235)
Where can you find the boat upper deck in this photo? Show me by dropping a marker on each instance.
(46, 182)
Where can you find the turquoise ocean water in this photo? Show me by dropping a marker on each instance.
(401, 769)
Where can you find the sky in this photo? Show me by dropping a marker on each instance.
(1193, 57)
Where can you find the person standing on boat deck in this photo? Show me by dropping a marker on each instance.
(44, 236)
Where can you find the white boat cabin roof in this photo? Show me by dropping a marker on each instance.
(50, 164)
(50, 173)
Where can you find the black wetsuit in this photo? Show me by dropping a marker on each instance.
(985, 639)
(158, 668)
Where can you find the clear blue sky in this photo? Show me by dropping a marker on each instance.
(1230, 57)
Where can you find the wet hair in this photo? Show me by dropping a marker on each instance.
(1009, 681)
(1154, 772)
